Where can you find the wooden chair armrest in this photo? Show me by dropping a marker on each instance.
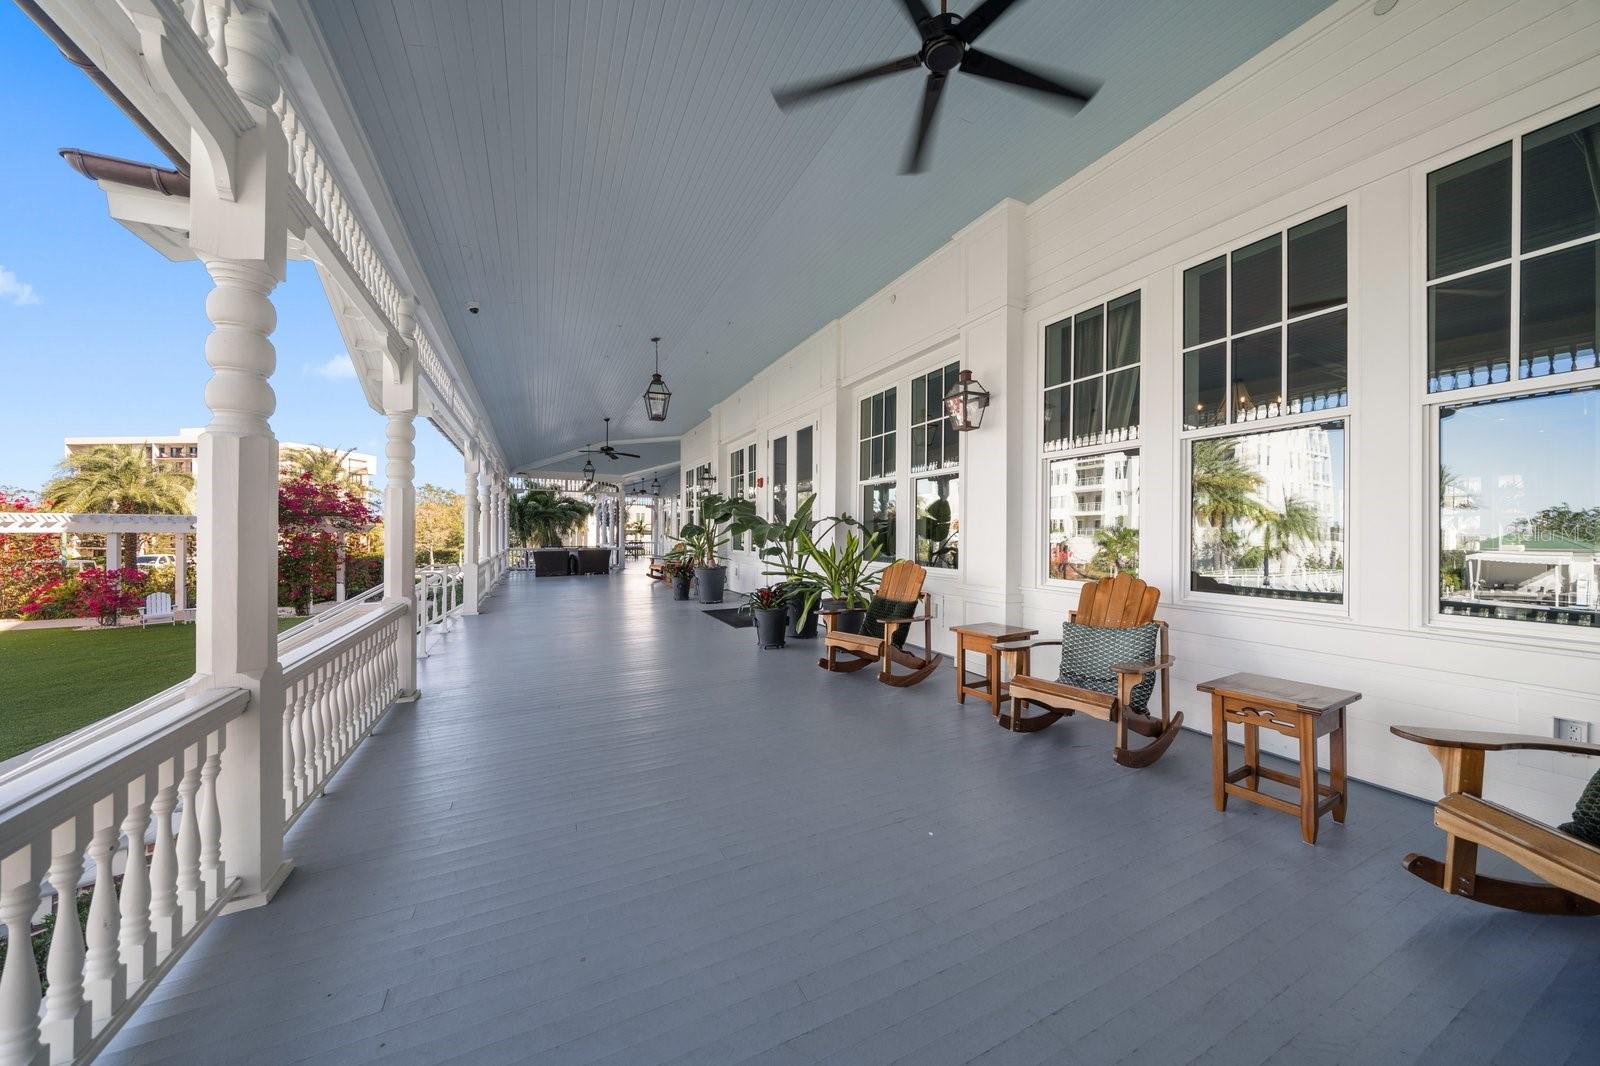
(1476, 740)
(889, 623)
(1024, 645)
(1142, 669)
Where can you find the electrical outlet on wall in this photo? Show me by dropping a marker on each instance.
(1572, 729)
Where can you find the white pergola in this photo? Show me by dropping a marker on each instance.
(113, 527)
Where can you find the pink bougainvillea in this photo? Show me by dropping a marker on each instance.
(312, 519)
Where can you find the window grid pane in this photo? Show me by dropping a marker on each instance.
(1093, 516)
(1104, 342)
(938, 529)
(933, 443)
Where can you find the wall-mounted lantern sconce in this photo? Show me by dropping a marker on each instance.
(965, 403)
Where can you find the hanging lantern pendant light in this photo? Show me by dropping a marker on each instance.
(657, 395)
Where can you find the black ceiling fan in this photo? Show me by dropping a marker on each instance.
(947, 40)
(606, 449)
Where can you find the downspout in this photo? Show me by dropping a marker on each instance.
(78, 58)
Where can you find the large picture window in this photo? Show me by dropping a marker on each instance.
(1519, 508)
(1513, 307)
(1267, 513)
(1524, 218)
(1265, 327)
(877, 470)
(1093, 516)
(1091, 419)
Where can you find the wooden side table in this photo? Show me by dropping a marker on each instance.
(1303, 712)
(982, 638)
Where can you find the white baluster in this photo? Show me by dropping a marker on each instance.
(291, 751)
(102, 969)
(310, 761)
(191, 899)
(213, 872)
(164, 863)
(67, 1015)
(19, 983)
(138, 947)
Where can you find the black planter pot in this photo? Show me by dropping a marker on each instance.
(846, 621)
(769, 627)
(808, 631)
(711, 580)
(680, 586)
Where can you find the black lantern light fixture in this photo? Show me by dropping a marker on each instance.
(657, 395)
(965, 403)
(655, 486)
(588, 471)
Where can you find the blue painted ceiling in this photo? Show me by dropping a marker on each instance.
(595, 172)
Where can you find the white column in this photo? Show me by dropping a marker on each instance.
(400, 502)
(113, 551)
(180, 573)
(470, 554)
(241, 235)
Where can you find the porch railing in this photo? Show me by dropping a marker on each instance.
(439, 597)
(336, 687)
(81, 810)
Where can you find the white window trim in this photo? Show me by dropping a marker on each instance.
(1426, 616)
(1251, 606)
(1046, 455)
(903, 480)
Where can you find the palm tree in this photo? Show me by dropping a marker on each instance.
(1223, 489)
(546, 515)
(327, 466)
(1283, 531)
(1116, 550)
(118, 479)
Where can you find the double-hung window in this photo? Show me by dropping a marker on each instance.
(876, 429)
(1266, 342)
(1090, 442)
(1513, 312)
(935, 470)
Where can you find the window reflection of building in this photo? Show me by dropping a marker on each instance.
(1088, 495)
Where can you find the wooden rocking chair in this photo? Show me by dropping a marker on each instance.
(883, 633)
(1121, 698)
(1569, 866)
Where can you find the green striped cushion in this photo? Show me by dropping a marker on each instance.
(882, 608)
(1087, 653)
(1585, 824)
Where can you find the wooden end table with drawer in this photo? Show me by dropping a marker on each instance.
(981, 638)
(1300, 711)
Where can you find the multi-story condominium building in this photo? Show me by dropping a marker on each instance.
(182, 449)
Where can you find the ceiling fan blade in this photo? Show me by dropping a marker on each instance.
(808, 90)
(932, 93)
(919, 14)
(629, 455)
(591, 451)
(981, 18)
(994, 68)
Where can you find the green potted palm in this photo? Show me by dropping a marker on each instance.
(787, 560)
(771, 615)
(844, 570)
(721, 519)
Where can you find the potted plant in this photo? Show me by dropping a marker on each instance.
(786, 560)
(679, 572)
(771, 615)
(844, 571)
(721, 519)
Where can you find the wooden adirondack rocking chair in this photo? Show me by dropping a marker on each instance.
(1114, 617)
(1568, 863)
(883, 634)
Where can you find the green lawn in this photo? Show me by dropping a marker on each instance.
(53, 681)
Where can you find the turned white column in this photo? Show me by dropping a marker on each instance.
(239, 230)
(470, 554)
(400, 498)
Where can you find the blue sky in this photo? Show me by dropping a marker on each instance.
(101, 335)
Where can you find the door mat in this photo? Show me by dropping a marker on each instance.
(732, 616)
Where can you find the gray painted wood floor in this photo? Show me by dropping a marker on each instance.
(612, 831)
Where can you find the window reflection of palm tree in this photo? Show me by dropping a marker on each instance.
(1223, 490)
(1283, 531)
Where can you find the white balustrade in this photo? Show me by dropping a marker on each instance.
(336, 688)
(90, 801)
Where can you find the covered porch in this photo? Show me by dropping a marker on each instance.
(611, 830)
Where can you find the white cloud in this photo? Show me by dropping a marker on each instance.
(16, 290)
(338, 368)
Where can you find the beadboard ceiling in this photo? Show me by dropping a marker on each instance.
(595, 172)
